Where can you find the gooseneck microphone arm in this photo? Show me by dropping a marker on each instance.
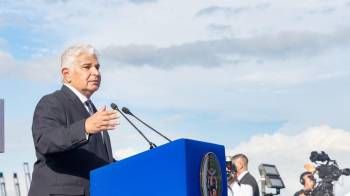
(151, 144)
(127, 111)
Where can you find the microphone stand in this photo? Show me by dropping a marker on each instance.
(127, 111)
(151, 144)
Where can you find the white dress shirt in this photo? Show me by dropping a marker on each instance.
(240, 189)
(83, 99)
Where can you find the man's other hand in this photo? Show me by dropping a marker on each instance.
(102, 120)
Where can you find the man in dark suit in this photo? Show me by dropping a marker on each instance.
(69, 134)
(242, 183)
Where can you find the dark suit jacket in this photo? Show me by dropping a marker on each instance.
(298, 193)
(248, 179)
(64, 155)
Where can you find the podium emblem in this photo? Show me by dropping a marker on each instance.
(210, 176)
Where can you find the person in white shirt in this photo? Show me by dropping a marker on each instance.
(242, 183)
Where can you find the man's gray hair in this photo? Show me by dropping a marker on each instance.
(70, 54)
(241, 156)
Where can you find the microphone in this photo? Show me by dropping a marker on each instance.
(151, 144)
(127, 111)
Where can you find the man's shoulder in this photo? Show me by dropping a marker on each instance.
(249, 180)
(54, 97)
(298, 193)
(249, 177)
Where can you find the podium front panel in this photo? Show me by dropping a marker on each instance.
(172, 169)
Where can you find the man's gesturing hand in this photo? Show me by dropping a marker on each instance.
(102, 120)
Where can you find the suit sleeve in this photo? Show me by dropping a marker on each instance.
(50, 130)
(298, 193)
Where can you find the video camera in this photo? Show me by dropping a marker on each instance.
(328, 172)
(230, 168)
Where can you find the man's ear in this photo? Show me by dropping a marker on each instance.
(66, 74)
(241, 164)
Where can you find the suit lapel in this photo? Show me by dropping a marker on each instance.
(244, 177)
(106, 141)
(75, 99)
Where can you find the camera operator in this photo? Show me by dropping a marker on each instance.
(242, 183)
(308, 180)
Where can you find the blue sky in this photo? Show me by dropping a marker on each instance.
(236, 73)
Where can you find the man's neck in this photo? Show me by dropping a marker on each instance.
(81, 96)
(241, 174)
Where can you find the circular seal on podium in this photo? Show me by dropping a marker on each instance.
(210, 176)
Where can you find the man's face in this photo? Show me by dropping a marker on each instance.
(85, 75)
(309, 181)
(239, 165)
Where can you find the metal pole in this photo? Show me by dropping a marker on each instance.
(2, 185)
(16, 184)
(263, 188)
(27, 175)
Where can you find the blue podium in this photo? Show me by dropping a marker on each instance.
(173, 169)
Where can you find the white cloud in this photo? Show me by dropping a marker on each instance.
(40, 70)
(120, 22)
(227, 11)
(198, 87)
(290, 152)
(231, 51)
(142, 1)
(171, 39)
(7, 63)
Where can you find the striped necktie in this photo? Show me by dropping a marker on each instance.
(90, 106)
(102, 137)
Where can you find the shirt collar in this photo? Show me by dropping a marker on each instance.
(242, 175)
(81, 97)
